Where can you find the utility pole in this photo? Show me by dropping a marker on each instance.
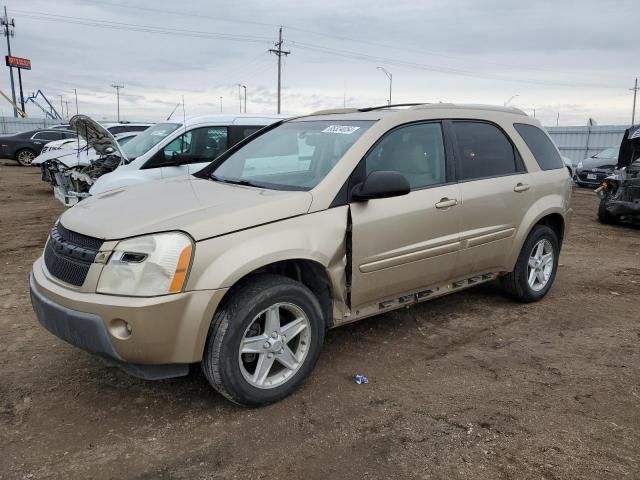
(558, 119)
(61, 108)
(390, 77)
(76, 92)
(279, 52)
(8, 29)
(220, 104)
(635, 92)
(240, 96)
(118, 87)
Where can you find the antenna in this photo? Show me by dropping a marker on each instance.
(184, 115)
(173, 111)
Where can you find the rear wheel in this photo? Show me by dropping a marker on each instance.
(264, 341)
(25, 157)
(536, 267)
(604, 216)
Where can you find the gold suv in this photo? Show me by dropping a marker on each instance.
(309, 224)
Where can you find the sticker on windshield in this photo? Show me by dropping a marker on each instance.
(343, 129)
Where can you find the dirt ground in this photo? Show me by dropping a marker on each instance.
(467, 386)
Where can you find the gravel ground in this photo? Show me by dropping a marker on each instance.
(467, 386)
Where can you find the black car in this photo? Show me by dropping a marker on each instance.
(25, 146)
(620, 192)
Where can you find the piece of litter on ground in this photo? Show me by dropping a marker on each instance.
(614, 293)
(360, 379)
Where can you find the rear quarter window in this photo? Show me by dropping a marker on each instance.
(542, 148)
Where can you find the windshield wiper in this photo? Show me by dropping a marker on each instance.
(245, 183)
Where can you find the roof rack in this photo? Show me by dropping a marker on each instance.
(381, 107)
(335, 110)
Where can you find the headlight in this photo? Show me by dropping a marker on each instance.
(148, 266)
(579, 165)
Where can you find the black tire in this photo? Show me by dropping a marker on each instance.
(25, 156)
(515, 284)
(220, 362)
(603, 214)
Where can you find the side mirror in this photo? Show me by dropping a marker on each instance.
(109, 150)
(381, 184)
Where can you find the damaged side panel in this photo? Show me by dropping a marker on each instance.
(319, 238)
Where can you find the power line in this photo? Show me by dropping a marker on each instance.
(311, 47)
(403, 48)
(279, 52)
(48, 17)
(446, 70)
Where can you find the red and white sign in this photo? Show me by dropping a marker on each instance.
(18, 62)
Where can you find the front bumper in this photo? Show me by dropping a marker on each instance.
(166, 332)
(582, 177)
(621, 208)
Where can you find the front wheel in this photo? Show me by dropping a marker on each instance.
(25, 157)
(535, 268)
(264, 341)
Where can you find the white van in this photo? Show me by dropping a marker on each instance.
(179, 148)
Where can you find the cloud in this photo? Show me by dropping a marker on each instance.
(473, 51)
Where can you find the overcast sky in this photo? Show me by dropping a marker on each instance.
(578, 58)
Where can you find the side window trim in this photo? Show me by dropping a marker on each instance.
(154, 161)
(520, 166)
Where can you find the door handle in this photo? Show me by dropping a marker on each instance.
(446, 202)
(521, 187)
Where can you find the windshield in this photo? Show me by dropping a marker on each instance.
(143, 142)
(292, 156)
(608, 153)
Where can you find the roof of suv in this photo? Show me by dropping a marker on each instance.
(233, 119)
(375, 113)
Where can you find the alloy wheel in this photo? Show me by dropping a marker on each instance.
(540, 266)
(274, 345)
(25, 157)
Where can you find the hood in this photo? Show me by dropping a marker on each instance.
(605, 164)
(68, 157)
(202, 208)
(630, 147)
(97, 137)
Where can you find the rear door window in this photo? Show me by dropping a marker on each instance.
(483, 151)
(541, 146)
(51, 135)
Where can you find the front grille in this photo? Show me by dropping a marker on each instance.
(68, 255)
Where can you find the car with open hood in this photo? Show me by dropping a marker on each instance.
(180, 148)
(309, 224)
(620, 192)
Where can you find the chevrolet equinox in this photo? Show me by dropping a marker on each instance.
(309, 224)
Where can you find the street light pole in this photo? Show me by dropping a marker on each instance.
(245, 98)
(240, 96)
(76, 93)
(390, 77)
(635, 92)
(220, 104)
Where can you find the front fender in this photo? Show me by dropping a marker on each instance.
(222, 261)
